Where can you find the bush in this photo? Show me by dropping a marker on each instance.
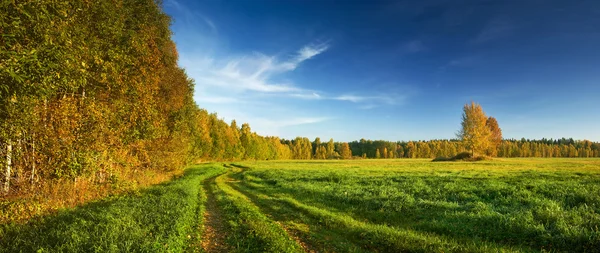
(441, 159)
(463, 156)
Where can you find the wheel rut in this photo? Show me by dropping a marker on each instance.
(294, 235)
(215, 229)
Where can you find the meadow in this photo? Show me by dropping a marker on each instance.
(371, 205)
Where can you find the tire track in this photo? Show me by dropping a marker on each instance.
(307, 247)
(215, 230)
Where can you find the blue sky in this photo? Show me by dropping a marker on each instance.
(394, 70)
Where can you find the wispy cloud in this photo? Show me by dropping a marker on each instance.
(464, 61)
(350, 98)
(415, 46)
(254, 88)
(208, 22)
(190, 18)
(368, 106)
(173, 3)
(495, 29)
(369, 101)
(308, 52)
(270, 120)
(254, 72)
(309, 96)
(298, 121)
(389, 99)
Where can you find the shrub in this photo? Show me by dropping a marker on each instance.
(463, 156)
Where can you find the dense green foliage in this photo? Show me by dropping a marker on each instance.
(159, 219)
(415, 205)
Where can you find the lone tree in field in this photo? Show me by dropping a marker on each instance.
(474, 133)
(495, 135)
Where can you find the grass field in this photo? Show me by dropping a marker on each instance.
(165, 216)
(504, 205)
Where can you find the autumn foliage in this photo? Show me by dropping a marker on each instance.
(92, 102)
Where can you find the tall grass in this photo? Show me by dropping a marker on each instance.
(49, 196)
(158, 219)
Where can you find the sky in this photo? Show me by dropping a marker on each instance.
(394, 70)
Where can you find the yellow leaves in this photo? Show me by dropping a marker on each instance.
(474, 132)
(98, 60)
(123, 66)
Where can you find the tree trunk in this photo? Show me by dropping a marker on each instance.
(32, 160)
(45, 112)
(17, 168)
(8, 166)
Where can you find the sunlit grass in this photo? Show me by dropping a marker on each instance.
(503, 205)
(508, 204)
(250, 229)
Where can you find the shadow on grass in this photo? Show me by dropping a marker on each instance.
(515, 217)
(314, 238)
(159, 218)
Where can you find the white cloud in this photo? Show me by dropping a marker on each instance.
(283, 125)
(390, 99)
(254, 88)
(246, 76)
(268, 121)
(350, 98)
(372, 101)
(309, 96)
(253, 72)
(308, 52)
(298, 121)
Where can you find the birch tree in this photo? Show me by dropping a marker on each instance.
(474, 133)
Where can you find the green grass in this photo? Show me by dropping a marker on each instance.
(159, 219)
(416, 205)
(251, 230)
(501, 205)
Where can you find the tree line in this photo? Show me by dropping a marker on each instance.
(92, 89)
(446, 148)
(481, 135)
